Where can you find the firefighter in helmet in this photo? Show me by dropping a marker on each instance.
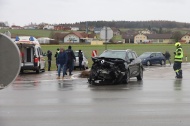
(178, 58)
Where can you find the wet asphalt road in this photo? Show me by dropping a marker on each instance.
(41, 100)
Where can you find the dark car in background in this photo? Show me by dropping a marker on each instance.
(150, 58)
(115, 66)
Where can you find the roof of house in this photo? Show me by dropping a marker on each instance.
(186, 35)
(82, 34)
(115, 29)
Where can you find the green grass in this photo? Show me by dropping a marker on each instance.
(35, 33)
(139, 48)
(41, 33)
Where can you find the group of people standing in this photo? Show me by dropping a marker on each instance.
(64, 60)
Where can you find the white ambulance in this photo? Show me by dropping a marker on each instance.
(32, 57)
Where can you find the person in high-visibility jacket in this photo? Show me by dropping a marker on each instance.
(178, 58)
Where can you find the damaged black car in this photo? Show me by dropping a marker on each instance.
(115, 67)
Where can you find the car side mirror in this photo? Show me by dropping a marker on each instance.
(151, 56)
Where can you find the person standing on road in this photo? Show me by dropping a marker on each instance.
(178, 58)
(80, 55)
(56, 54)
(62, 59)
(167, 56)
(71, 60)
(49, 55)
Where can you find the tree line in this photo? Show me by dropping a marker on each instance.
(133, 24)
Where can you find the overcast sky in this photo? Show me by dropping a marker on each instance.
(23, 12)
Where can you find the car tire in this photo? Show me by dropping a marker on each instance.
(74, 68)
(127, 77)
(21, 71)
(38, 70)
(162, 62)
(84, 68)
(140, 76)
(43, 70)
(91, 80)
(148, 63)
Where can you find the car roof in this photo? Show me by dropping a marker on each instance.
(152, 52)
(118, 50)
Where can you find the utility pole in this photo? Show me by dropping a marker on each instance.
(106, 37)
(86, 27)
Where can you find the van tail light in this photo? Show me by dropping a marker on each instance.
(36, 60)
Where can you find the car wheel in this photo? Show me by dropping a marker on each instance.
(140, 76)
(21, 71)
(148, 63)
(91, 79)
(127, 77)
(84, 68)
(38, 70)
(162, 62)
(43, 70)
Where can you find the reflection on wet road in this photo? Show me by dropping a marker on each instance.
(42, 100)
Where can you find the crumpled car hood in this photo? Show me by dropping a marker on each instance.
(108, 69)
(110, 60)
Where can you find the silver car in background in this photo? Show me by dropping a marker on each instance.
(84, 62)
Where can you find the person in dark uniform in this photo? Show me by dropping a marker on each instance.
(49, 55)
(80, 55)
(71, 60)
(56, 54)
(178, 58)
(167, 56)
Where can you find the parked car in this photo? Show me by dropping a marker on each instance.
(84, 62)
(115, 66)
(149, 58)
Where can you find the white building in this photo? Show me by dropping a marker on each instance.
(44, 40)
(74, 28)
(48, 27)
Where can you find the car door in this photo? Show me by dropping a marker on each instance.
(131, 63)
(153, 59)
(41, 58)
(158, 58)
(136, 64)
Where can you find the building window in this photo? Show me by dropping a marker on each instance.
(161, 40)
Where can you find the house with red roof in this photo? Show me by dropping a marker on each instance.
(185, 38)
(78, 37)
